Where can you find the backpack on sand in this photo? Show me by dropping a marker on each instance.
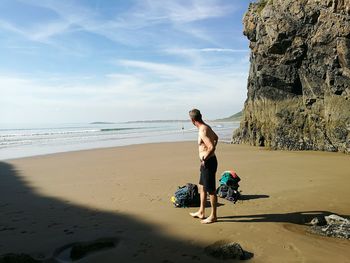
(228, 188)
(186, 196)
(230, 178)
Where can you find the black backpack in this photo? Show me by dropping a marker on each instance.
(186, 196)
(228, 188)
(222, 191)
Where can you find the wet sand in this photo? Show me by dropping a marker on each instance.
(47, 202)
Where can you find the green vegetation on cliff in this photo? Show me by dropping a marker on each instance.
(235, 117)
(261, 5)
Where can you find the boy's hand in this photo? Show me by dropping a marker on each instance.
(203, 162)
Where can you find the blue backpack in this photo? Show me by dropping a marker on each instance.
(186, 196)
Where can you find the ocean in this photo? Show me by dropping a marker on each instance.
(25, 141)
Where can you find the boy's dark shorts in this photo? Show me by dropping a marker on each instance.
(207, 174)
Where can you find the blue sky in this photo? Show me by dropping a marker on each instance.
(97, 60)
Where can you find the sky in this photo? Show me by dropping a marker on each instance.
(120, 60)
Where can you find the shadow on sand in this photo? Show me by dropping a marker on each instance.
(42, 226)
(299, 218)
(250, 197)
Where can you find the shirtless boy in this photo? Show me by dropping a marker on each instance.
(207, 140)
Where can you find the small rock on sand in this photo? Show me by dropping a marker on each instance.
(224, 250)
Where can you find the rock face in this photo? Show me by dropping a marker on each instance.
(299, 79)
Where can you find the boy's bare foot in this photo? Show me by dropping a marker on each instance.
(209, 220)
(197, 215)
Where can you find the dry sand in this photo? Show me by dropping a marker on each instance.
(49, 201)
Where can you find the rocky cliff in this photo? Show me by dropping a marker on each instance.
(299, 79)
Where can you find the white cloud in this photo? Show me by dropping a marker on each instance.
(144, 93)
(166, 71)
(5, 25)
(144, 14)
(206, 87)
(228, 50)
(184, 11)
(42, 33)
(138, 88)
(195, 53)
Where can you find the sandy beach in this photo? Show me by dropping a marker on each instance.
(47, 202)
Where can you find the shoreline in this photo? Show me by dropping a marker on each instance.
(124, 193)
(91, 149)
(223, 142)
(47, 143)
(30, 142)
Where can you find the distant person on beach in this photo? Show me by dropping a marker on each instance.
(207, 140)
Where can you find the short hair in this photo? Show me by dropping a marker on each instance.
(195, 115)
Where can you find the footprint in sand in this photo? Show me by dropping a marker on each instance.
(143, 249)
(75, 251)
(53, 225)
(7, 229)
(68, 232)
(145, 245)
(193, 257)
(296, 251)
